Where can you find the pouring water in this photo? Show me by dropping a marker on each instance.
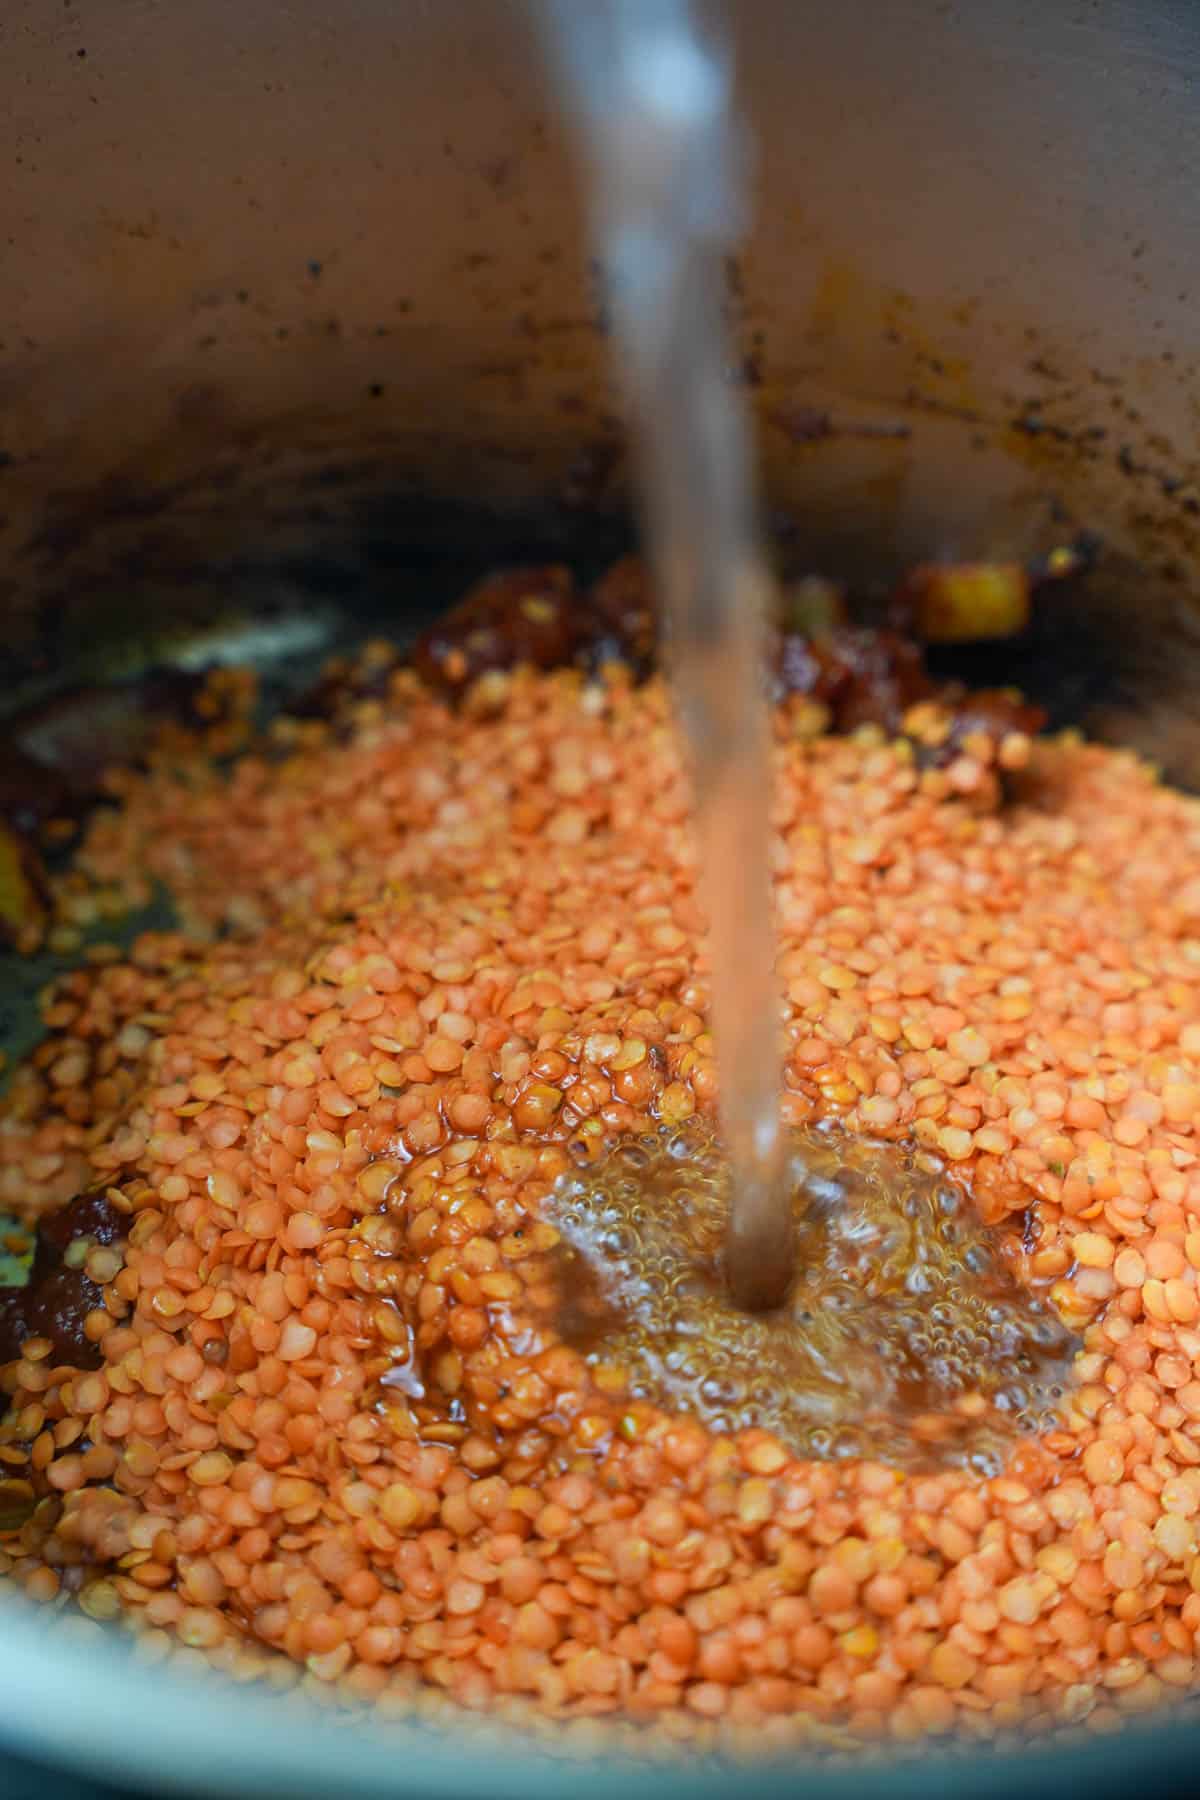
(654, 96)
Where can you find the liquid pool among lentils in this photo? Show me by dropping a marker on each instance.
(904, 1336)
(321, 1422)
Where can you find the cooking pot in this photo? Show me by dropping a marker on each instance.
(299, 329)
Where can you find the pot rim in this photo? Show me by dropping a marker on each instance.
(102, 1714)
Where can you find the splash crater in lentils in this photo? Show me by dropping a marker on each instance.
(905, 1336)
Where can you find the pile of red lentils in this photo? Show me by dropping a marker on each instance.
(427, 963)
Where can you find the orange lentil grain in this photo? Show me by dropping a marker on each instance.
(443, 955)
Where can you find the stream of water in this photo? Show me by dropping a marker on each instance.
(652, 93)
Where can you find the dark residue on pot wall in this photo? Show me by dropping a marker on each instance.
(810, 425)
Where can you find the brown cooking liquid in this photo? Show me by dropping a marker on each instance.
(904, 1337)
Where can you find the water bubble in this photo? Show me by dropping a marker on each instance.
(900, 1305)
(985, 1462)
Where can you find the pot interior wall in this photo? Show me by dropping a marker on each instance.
(299, 305)
(272, 272)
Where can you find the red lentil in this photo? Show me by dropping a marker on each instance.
(317, 1428)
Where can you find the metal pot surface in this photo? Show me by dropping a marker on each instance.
(297, 324)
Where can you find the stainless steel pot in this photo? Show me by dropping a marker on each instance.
(296, 321)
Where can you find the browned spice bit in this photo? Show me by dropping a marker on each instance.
(526, 616)
(58, 1298)
(93, 1216)
(990, 723)
(862, 676)
(346, 682)
(55, 1309)
(866, 676)
(626, 621)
